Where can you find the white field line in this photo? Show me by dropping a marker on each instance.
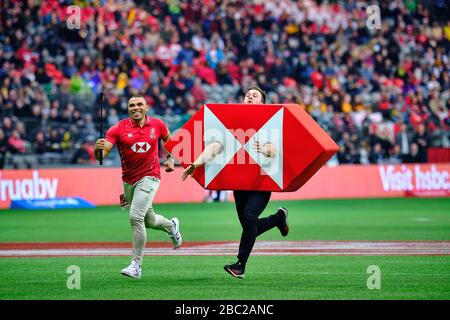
(97, 254)
(268, 248)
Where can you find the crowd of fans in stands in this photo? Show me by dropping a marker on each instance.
(382, 94)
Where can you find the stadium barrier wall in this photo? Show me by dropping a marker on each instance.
(102, 186)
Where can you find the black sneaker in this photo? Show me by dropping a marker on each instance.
(236, 270)
(283, 226)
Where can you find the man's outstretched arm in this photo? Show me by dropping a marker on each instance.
(210, 152)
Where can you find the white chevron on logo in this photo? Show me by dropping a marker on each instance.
(271, 131)
(215, 131)
(140, 147)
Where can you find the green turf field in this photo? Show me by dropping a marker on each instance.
(377, 219)
(201, 278)
(267, 277)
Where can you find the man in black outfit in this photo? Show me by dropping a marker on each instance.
(249, 204)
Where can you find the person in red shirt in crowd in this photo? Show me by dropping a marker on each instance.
(137, 140)
(16, 143)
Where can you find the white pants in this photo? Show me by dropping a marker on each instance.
(142, 216)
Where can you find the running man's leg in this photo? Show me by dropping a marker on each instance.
(267, 223)
(254, 205)
(141, 199)
(240, 200)
(263, 224)
(154, 220)
(159, 222)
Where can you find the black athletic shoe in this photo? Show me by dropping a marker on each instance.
(236, 270)
(283, 226)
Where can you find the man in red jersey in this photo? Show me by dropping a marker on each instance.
(137, 141)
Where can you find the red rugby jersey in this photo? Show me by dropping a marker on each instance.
(138, 147)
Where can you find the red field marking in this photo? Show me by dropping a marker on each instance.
(90, 245)
(224, 248)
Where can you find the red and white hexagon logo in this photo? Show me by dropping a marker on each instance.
(302, 146)
(140, 147)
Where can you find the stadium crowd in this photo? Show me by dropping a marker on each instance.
(382, 93)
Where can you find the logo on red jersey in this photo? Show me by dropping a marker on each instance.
(140, 147)
(152, 133)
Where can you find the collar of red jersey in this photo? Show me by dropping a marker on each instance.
(134, 124)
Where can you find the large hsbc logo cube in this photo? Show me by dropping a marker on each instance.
(301, 145)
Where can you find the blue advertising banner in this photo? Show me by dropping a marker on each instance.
(54, 203)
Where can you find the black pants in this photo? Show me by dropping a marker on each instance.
(249, 206)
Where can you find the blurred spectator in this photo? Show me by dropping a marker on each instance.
(7, 126)
(4, 146)
(217, 196)
(54, 141)
(186, 54)
(112, 118)
(384, 140)
(403, 139)
(396, 156)
(377, 155)
(413, 156)
(343, 156)
(40, 145)
(16, 144)
(364, 152)
(198, 92)
(66, 142)
(214, 56)
(422, 140)
(84, 154)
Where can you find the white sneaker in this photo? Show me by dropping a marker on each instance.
(134, 270)
(176, 235)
